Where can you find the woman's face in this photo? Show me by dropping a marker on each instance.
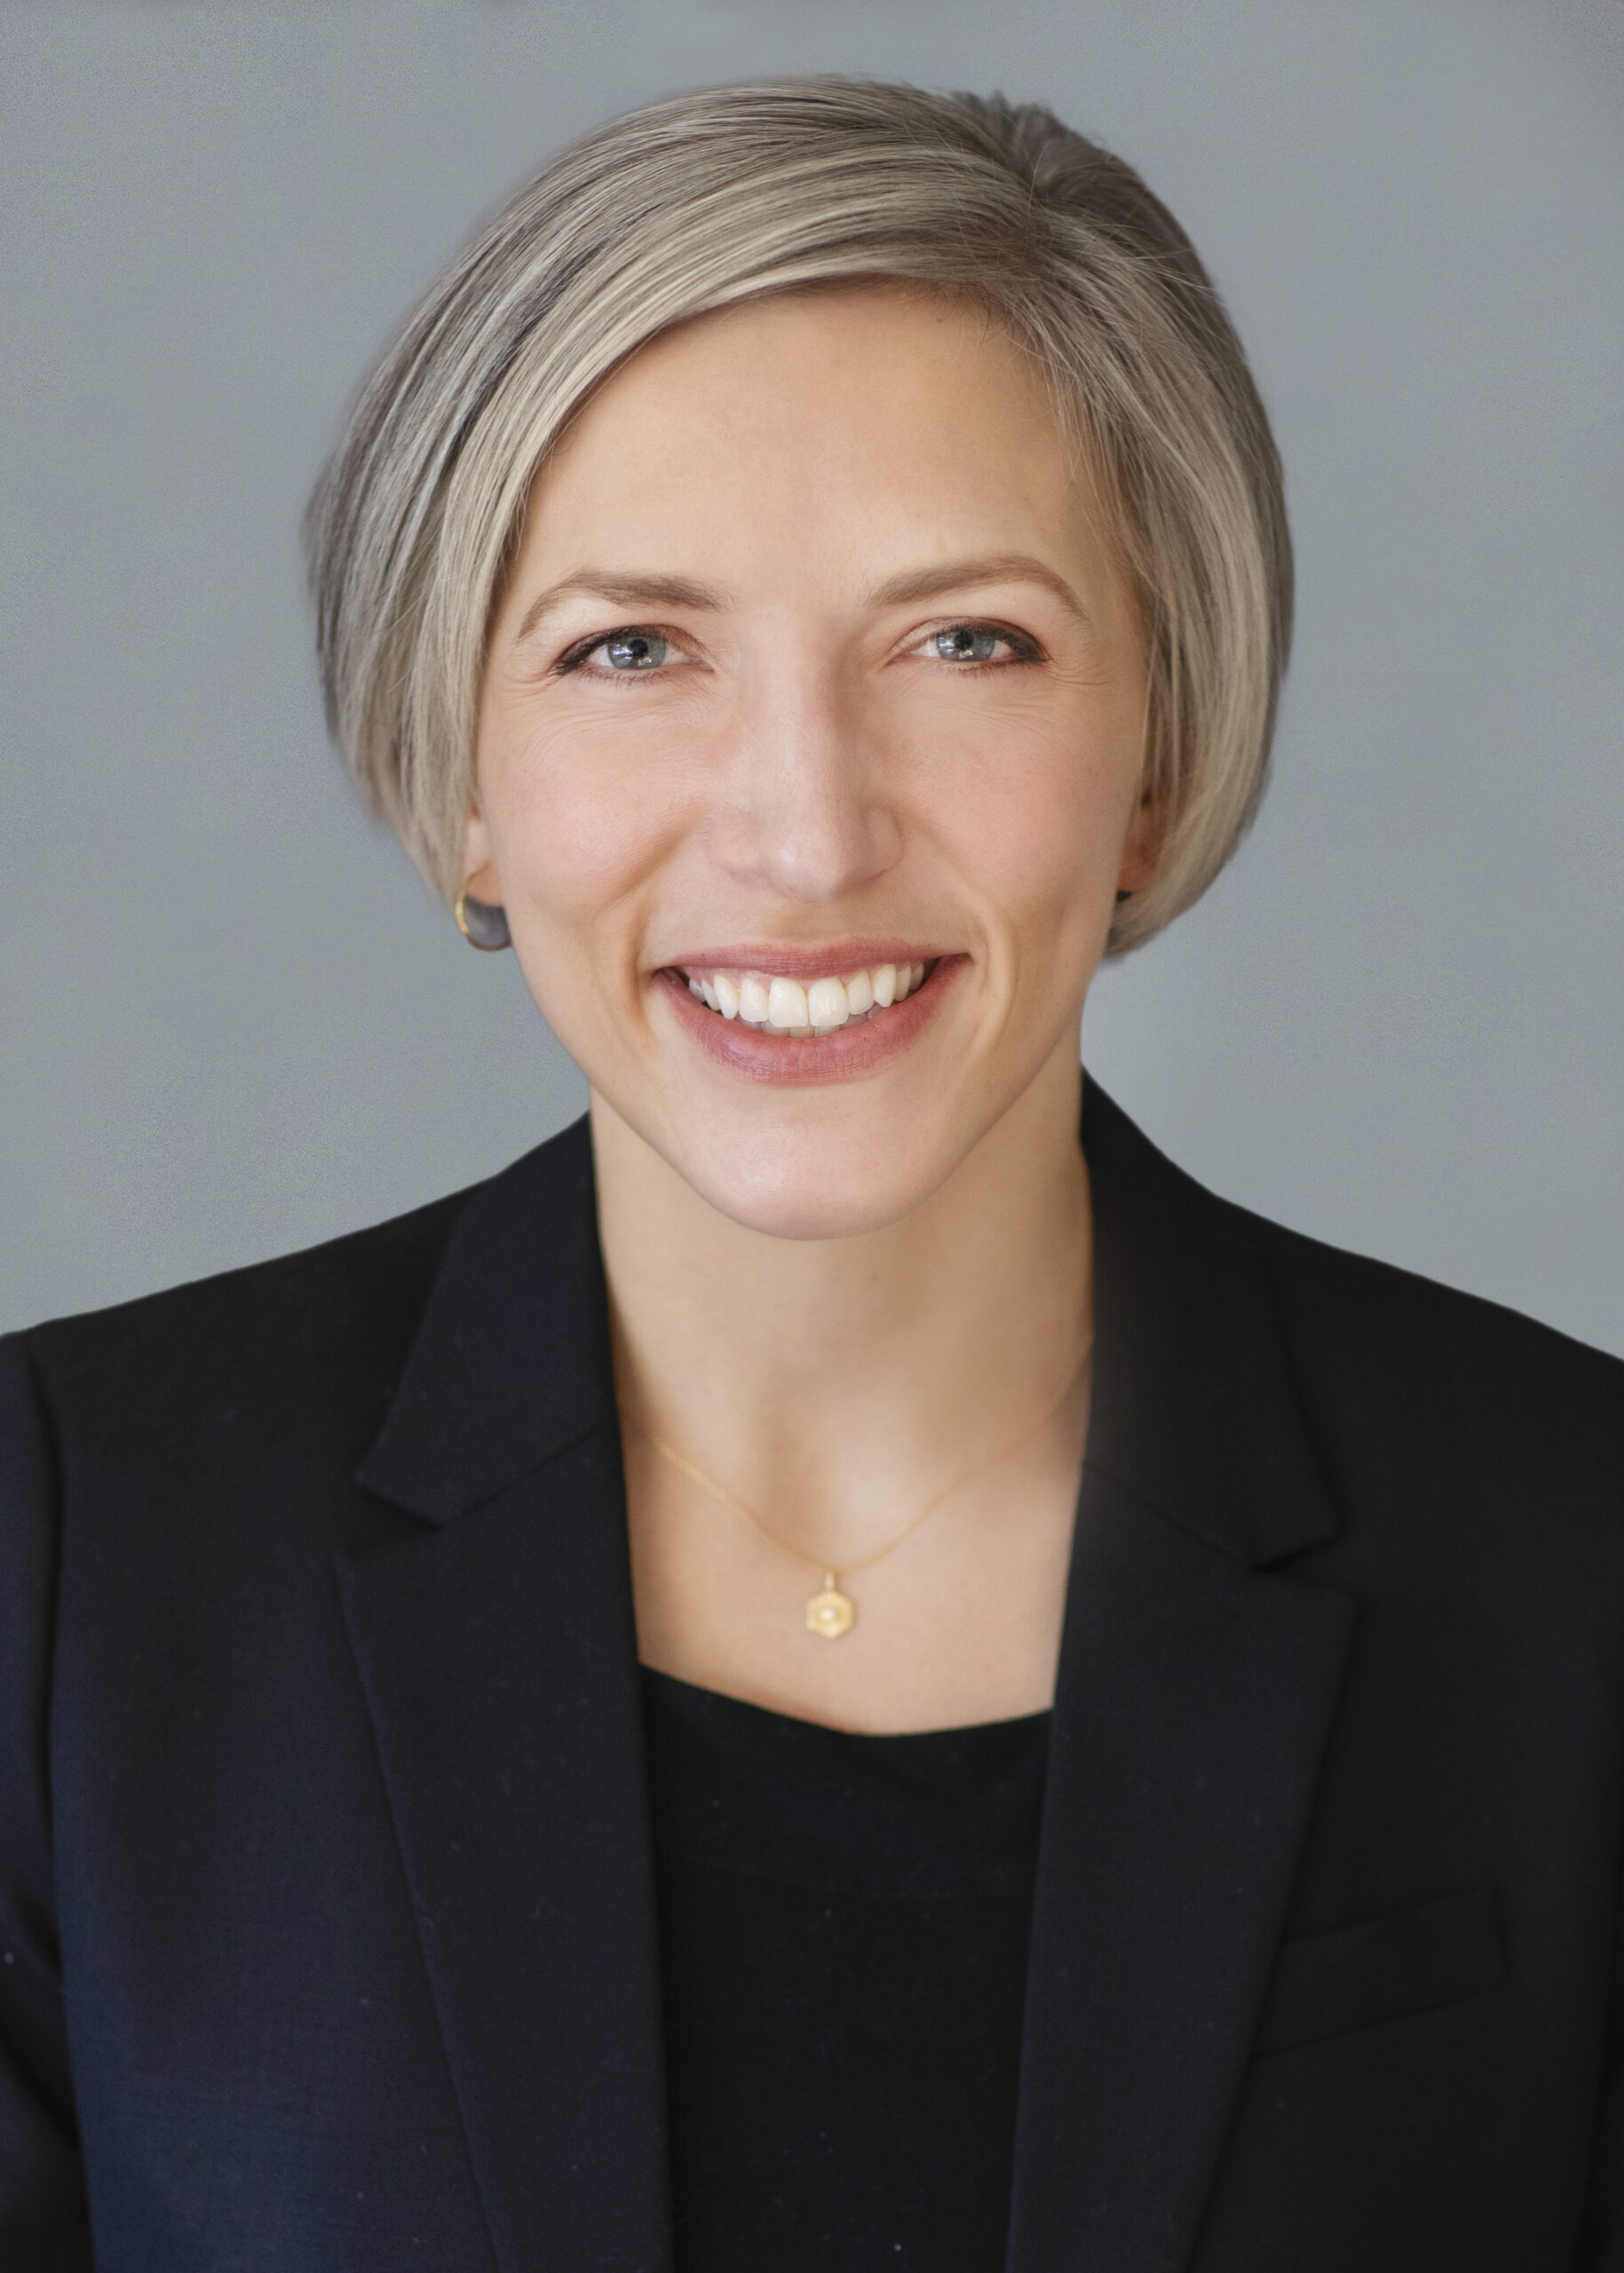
(818, 685)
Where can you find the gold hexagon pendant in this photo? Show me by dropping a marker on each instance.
(830, 1613)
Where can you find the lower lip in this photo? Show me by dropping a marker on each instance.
(850, 1051)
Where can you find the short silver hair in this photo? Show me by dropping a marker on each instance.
(702, 200)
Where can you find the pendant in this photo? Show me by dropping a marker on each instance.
(830, 1613)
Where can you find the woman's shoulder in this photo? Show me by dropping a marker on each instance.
(1382, 1357)
(327, 1316)
(1442, 1400)
(246, 1403)
(210, 1428)
(328, 1323)
(1386, 1315)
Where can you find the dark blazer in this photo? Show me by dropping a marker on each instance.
(325, 1889)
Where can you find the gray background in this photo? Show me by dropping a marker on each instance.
(233, 1022)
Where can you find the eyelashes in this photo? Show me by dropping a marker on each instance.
(968, 646)
(645, 651)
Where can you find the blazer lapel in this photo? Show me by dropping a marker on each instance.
(492, 1628)
(1195, 1695)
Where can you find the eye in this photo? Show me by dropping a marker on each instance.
(980, 643)
(634, 651)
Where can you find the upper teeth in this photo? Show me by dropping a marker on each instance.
(784, 1006)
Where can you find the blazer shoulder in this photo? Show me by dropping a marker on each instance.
(294, 1363)
(1430, 1383)
(1391, 1303)
(334, 1317)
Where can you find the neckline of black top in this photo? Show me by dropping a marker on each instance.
(932, 1812)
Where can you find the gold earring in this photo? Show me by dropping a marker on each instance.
(482, 922)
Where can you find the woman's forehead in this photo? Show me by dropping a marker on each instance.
(890, 423)
(770, 368)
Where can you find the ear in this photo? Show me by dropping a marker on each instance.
(1142, 850)
(480, 880)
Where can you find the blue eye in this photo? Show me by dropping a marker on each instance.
(634, 651)
(966, 643)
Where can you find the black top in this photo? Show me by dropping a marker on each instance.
(844, 1923)
(329, 1931)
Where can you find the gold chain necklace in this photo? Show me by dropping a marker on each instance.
(831, 1611)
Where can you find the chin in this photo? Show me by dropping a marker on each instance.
(801, 1190)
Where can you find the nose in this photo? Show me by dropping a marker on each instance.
(805, 809)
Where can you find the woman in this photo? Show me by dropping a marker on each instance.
(610, 1722)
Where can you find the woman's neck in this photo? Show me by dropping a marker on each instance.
(835, 1382)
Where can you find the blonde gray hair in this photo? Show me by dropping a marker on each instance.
(697, 203)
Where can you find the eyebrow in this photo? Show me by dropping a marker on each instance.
(621, 589)
(629, 590)
(960, 575)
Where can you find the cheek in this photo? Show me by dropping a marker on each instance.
(575, 830)
(1041, 831)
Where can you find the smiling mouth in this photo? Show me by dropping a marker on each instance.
(806, 1011)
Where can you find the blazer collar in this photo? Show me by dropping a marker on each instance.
(510, 1364)
(1194, 1409)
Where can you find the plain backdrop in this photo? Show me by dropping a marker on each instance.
(233, 1020)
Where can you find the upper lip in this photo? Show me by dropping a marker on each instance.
(779, 959)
